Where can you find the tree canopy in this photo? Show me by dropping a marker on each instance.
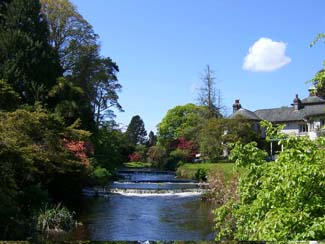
(181, 121)
(136, 132)
(27, 62)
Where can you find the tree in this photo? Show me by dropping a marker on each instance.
(181, 121)
(9, 98)
(209, 96)
(211, 139)
(157, 155)
(136, 133)
(69, 31)
(111, 147)
(319, 78)
(77, 45)
(106, 87)
(152, 139)
(218, 136)
(280, 200)
(27, 62)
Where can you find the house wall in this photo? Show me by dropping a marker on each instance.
(291, 128)
(314, 124)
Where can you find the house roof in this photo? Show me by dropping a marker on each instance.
(280, 114)
(312, 100)
(247, 114)
(285, 114)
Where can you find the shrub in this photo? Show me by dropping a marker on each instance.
(280, 200)
(58, 219)
(135, 157)
(201, 174)
(101, 174)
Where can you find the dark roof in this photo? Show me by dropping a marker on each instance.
(309, 107)
(247, 114)
(280, 114)
(289, 114)
(312, 100)
(314, 110)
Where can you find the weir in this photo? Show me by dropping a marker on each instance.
(144, 205)
(148, 183)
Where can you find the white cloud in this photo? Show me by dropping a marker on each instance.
(266, 55)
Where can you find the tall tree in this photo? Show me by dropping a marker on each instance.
(106, 86)
(69, 31)
(75, 41)
(136, 131)
(27, 62)
(209, 96)
(152, 139)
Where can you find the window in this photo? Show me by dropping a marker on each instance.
(322, 122)
(303, 128)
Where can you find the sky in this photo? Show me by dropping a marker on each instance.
(259, 50)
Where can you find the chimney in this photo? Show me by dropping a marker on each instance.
(297, 103)
(312, 91)
(236, 106)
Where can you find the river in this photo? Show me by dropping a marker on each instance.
(146, 206)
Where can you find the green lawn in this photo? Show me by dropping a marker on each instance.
(188, 170)
(137, 165)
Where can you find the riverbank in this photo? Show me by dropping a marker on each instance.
(139, 165)
(188, 170)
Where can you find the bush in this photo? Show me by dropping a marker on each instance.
(135, 157)
(101, 175)
(201, 174)
(156, 155)
(280, 200)
(56, 219)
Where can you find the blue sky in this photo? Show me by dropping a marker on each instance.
(163, 46)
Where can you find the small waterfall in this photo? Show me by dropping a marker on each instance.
(149, 183)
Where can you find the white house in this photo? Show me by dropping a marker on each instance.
(305, 117)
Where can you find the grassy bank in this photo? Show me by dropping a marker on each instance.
(137, 165)
(188, 170)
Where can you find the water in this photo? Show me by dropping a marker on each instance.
(138, 216)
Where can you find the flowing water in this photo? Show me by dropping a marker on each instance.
(147, 206)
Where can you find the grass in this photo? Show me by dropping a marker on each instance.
(188, 170)
(137, 165)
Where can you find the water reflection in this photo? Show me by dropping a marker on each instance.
(121, 217)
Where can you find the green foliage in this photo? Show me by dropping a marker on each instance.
(280, 200)
(101, 175)
(90, 83)
(156, 155)
(219, 135)
(69, 31)
(179, 155)
(188, 170)
(32, 153)
(111, 147)
(9, 98)
(152, 139)
(319, 78)
(201, 174)
(57, 218)
(211, 139)
(136, 131)
(27, 61)
(180, 121)
(137, 165)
